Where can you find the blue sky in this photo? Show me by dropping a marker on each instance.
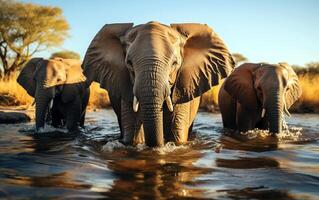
(263, 31)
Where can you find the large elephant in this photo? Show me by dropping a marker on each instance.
(143, 66)
(58, 86)
(257, 96)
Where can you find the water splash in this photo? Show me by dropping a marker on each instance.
(169, 148)
(289, 134)
(112, 145)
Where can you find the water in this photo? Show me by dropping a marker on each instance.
(214, 165)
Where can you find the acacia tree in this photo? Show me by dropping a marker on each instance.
(239, 58)
(25, 29)
(66, 54)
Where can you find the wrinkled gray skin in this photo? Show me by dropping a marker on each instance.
(160, 72)
(62, 81)
(254, 87)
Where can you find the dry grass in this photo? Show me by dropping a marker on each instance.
(209, 100)
(12, 94)
(309, 100)
(98, 97)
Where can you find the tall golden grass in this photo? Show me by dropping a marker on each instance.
(98, 97)
(309, 100)
(12, 94)
(209, 100)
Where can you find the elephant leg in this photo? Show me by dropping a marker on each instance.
(139, 132)
(82, 120)
(182, 119)
(56, 115)
(85, 101)
(227, 106)
(194, 105)
(245, 118)
(191, 128)
(116, 105)
(73, 114)
(131, 125)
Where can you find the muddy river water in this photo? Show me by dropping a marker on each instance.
(214, 165)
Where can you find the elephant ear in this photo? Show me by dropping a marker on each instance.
(206, 60)
(26, 77)
(75, 80)
(74, 72)
(240, 85)
(104, 61)
(294, 90)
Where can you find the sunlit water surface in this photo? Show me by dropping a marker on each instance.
(216, 164)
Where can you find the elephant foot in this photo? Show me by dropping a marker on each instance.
(179, 137)
(179, 143)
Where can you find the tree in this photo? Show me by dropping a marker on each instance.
(27, 28)
(239, 58)
(66, 54)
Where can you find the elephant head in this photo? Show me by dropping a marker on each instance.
(152, 63)
(44, 79)
(268, 89)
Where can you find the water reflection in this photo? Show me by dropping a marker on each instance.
(258, 193)
(63, 180)
(150, 175)
(237, 142)
(212, 166)
(247, 163)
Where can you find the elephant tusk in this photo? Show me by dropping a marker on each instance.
(169, 103)
(51, 104)
(263, 113)
(135, 104)
(286, 110)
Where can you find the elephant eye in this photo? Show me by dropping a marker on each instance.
(287, 89)
(175, 63)
(129, 64)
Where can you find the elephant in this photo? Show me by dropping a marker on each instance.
(155, 75)
(256, 95)
(60, 92)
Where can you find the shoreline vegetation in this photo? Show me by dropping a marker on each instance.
(13, 96)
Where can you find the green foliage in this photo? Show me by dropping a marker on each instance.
(66, 54)
(27, 28)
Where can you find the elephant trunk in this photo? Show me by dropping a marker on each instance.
(42, 99)
(151, 91)
(275, 111)
(152, 116)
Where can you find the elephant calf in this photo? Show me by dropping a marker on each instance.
(58, 86)
(257, 95)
